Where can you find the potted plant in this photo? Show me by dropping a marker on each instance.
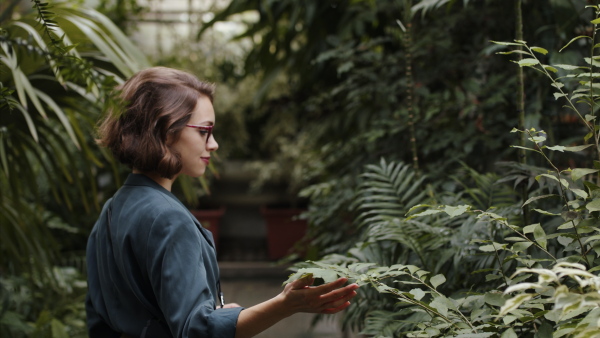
(285, 230)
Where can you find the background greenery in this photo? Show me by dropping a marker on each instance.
(381, 110)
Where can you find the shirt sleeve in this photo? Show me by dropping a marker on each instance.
(179, 276)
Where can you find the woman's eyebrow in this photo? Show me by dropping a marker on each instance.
(210, 123)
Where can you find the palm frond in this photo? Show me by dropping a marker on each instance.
(46, 136)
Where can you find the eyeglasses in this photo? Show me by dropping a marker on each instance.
(204, 130)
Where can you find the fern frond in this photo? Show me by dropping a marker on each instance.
(46, 19)
(388, 189)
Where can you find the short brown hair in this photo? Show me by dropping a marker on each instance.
(156, 104)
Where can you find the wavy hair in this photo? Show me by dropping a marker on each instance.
(155, 105)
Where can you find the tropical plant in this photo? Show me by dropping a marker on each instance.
(541, 275)
(59, 63)
(360, 86)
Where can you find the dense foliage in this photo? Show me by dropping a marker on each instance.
(419, 82)
(59, 62)
(391, 117)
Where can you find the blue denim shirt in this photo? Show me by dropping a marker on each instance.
(152, 271)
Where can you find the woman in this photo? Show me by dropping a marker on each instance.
(152, 268)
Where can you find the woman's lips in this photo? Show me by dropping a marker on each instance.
(206, 159)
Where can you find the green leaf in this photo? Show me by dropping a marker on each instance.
(559, 95)
(567, 67)
(580, 193)
(537, 198)
(538, 233)
(418, 293)
(328, 275)
(494, 298)
(510, 333)
(578, 148)
(573, 40)
(543, 212)
(595, 21)
(539, 50)
(60, 114)
(456, 211)
(537, 139)
(417, 207)
(507, 43)
(566, 225)
(516, 51)
(492, 277)
(578, 173)
(557, 148)
(528, 62)
(437, 280)
(441, 305)
(525, 148)
(547, 176)
(591, 186)
(492, 247)
(513, 303)
(521, 246)
(594, 205)
(357, 267)
(425, 213)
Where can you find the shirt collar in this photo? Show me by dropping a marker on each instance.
(143, 180)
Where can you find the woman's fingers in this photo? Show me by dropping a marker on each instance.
(327, 298)
(337, 309)
(302, 283)
(325, 288)
(340, 302)
(339, 293)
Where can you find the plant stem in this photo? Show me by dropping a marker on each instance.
(592, 112)
(505, 223)
(563, 195)
(500, 264)
(521, 104)
(410, 91)
(402, 297)
(441, 295)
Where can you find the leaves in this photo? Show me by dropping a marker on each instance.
(513, 303)
(457, 210)
(528, 62)
(578, 173)
(538, 198)
(593, 205)
(437, 280)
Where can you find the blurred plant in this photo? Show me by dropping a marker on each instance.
(123, 13)
(59, 63)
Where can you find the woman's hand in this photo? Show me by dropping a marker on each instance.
(297, 296)
(333, 297)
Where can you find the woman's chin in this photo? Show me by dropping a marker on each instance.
(197, 174)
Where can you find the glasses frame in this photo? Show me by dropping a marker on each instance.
(207, 128)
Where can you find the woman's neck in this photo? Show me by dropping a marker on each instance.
(164, 182)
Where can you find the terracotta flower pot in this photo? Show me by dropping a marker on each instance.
(284, 230)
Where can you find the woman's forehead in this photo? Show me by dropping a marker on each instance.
(203, 113)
